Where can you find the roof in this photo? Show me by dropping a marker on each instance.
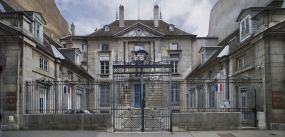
(56, 53)
(114, 28)
(209, 47)
(18, 12)
(267, 9)
(37, 13)
(246, 10)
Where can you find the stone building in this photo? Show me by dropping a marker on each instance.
(250, 46)
(28, 54)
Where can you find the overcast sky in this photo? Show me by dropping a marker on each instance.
(191, 16)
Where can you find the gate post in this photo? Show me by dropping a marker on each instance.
(142, 103)
(170, 81)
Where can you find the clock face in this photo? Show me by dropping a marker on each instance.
(139, 31)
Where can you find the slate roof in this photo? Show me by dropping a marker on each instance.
(114, 28)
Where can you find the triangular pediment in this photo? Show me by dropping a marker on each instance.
(139, 30)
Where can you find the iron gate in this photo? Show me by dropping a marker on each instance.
(141, 95)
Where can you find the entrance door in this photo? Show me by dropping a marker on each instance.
(138, 95)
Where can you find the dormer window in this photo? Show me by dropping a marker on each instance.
(173, 46)
(203, 57)
(77, 59)
(171, 27)
(107, 28)
(245, 28)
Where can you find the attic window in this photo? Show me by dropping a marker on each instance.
(245, 28)
(107, 28)
(171, 27)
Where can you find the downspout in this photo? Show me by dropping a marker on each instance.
(55, 84)
(228, 79)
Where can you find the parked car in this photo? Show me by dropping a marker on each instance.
(79, 111)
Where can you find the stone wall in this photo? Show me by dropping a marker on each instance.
(67, 122)
(224, 14)
(206, 121)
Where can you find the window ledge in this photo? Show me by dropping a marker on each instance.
(241, 70)
(174, 51)
(176, 74)
(104, 74)
(104, 51)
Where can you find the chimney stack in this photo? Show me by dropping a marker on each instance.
(156, 15)
(121, 17)
(73, 29)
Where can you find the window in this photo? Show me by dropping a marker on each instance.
(175, 97)
(171, 27)
(203, 58)
(104, 94)
(84, 47)
(173, 46)
(174, 68)
(78, 101)
(174, 56)
(104, 47)
(60, 69)
(69, 75)
(107, 28)
(64, 45)
(241, 62)
(43, 98)
(212, 96)
(77, 61)
(31, 28)
(245, 28)
(43, 64)
(138, 47)
(104, 67)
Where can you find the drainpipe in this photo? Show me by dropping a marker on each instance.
(55, 84)
(228, 79)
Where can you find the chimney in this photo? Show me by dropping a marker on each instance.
(121, 17)
(73, 29)
(156, 15)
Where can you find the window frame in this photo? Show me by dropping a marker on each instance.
(104, 47)
(172, 45)
(43, 64)
(105, 64)
(104, 94)
(106, 28)
(84, 47)
(242, 63)
(245, 28)
(174, 66)
(175, 94)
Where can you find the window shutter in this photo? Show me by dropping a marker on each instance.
(254, 25)
(100, 46)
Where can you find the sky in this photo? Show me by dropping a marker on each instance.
(191, 16)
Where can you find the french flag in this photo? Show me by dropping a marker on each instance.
(67, 88)
(219, 87)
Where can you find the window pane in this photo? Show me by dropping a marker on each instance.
(173, 47)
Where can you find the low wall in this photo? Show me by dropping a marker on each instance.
(206, 121)
(67, 122)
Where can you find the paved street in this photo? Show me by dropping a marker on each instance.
(65, 133)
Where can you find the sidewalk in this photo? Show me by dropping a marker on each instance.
(84, 133)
